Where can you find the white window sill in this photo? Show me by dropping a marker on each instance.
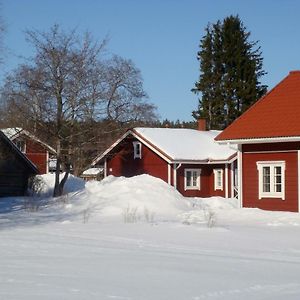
(192, 188)
(271, 195)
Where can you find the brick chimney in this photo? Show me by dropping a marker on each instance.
(201, 124)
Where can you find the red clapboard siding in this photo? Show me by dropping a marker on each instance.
(207, 181)
(250, 180)
(122, 163)
(37, 154)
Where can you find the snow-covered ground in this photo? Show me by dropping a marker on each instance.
(138, 238)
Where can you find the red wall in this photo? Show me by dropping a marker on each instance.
(250, 176)
(206, 178)
(122, 163)
(36, 153)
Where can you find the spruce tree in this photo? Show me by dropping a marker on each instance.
(230, 69)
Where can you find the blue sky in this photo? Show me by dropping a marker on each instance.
(161, 37)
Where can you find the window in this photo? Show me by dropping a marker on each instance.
(218, 179)
(137, 150)
(21, 145)
(271, 179)
(192, 179)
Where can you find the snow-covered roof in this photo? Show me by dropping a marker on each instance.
(186, 144)
(11, 132)
(92, 171)
(14, 132)
(178, 144)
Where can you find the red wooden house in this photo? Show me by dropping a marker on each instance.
(267, 136)
(38, 152)
(187, 159)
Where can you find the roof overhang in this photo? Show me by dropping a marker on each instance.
(263, 140)
(21, 131)
(160, 153)
(207, 161)
(139, 138)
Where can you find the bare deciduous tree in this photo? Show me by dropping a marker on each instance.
(67, 87)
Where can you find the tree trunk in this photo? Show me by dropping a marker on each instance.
(64, 180)
(56, 191)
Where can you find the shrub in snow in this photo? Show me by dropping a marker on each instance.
(31, 204)
(86, 214)
(130, 214)
(149, 216)
(210, 217)
(36, 186)
(34, 192)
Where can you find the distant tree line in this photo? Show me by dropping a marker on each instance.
(230, 70)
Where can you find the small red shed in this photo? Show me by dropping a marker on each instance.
(267, 137)
(188, 159)
(37, 152)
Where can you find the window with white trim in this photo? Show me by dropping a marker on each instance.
(192, 179)
(137, 150)
(218, 179)
(271, 179)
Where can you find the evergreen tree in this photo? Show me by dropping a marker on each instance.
(230, 69)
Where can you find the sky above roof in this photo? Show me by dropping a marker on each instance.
(275, 115)
(161, 37)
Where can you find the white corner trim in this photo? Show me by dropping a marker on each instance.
(175, 168)
(169, 174)
(298, 180)
(240, 176)
(226, 181)
(105, 168)
(47, 162)
(232, 180)
(174, 176)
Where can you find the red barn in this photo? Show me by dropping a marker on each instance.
(187, 159)
(267, 137)
(36, 151)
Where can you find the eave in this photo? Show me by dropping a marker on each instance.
(160, 153)
(262, 140)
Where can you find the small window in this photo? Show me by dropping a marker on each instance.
(137, 150)
(271, 179)
(192, 179)
(21, 145)
(218, 179)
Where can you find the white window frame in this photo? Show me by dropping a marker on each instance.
(272, 165)
(198, 180)
(218, 184)
(137, 146)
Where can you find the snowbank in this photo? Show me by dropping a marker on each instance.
(142, 197)
(145, 198)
